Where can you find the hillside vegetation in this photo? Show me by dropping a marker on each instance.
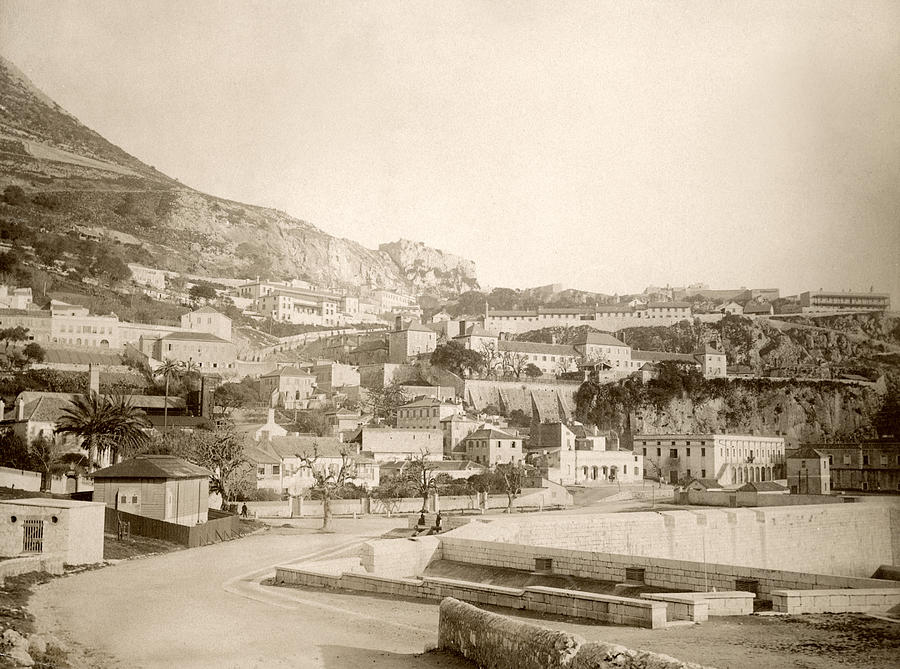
(71, 176)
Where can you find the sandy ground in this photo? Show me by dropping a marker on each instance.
(206, 608)
(189, 608)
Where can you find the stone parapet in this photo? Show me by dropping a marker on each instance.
(871, 600)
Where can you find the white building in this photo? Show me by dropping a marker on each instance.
(727, 458)
(207, 319)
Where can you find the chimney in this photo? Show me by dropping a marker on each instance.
(2, 409)
(462, 327)
(398, 323)
(93, 379)
(20, 409)
(553, 339)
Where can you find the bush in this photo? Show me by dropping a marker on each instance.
(14, 195)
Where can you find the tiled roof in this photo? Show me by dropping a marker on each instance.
(708, 349)
(535, 347)
(194, 336)
(709, 484)
(153, 467)
(668, 305)
(599, 339)
(33, 313)
(207, 310)
(491, 433)
(426, 402)
(762, 486)
(326, 447)
(287, 371)
(804, 453)
(47, 407)
(476, 331)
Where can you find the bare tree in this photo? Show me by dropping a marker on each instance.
(328, 477)
(420, 472)
(510, 476)
(514, 363)
(493, 358)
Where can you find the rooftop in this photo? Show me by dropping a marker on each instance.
(152, 467)
(286, 371)
(535, 347)
(195, 336)
(599, 339)
(491, 433)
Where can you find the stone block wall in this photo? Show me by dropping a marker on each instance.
(662, 573)
(840, 539)
(555, 601)
(835, 601)
(492, 640)
(399, 557)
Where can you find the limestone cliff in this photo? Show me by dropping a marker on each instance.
(428, 268)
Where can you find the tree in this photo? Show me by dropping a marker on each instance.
(328, 478)
(13, 451)
(13, 335)
(34, 353)
(220, 450)
(190, 372)
(234, 395)
(167, 370)
(383, 402)
(456, 358)
(14, 195)
(514, 363)
(532, 371)
(390, 491)
(111, 266)
(104, 424)
(510, 476)
(202, 291)
(490, 352)
(420, 473)
(45, 456)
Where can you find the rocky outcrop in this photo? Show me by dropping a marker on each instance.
(430, 269)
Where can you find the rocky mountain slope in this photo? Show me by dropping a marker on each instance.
(73, 176)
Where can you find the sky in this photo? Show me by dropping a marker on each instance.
(606, 146)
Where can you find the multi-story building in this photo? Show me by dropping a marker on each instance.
(207, 319)
(426, 413)
(301, 308)
(490, 446)
(36, 321)
(15, 298)
(601, 317)
(601, 347)
(74, 325)
(390, 302)
(808, 472)
(727, 458)
(576, 455)
(867, 466)
(812, 301)
(549, 358)
(332, 377)
(211, 354)
(410, 341)
(456, 428)
(389, 443)
(294, 476)
(287, 387)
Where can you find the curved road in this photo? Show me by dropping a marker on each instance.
(204, 607)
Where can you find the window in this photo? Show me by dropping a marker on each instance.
(883, 459)
(865, 459)
(688, 451)
(261, 470)
(830, 459)
(634, 574)
(702, 452)
(703, 473)
(658, 451)
(275, 469)
(124, 499)
(543, 564)
(846, 458)
(645, 452)
(673, 452)
(134, 499)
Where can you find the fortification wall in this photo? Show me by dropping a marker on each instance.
(839, 539)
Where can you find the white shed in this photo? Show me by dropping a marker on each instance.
(63, 528)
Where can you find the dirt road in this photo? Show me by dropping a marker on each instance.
(192, 608)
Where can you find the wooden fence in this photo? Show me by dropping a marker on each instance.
(219, 527)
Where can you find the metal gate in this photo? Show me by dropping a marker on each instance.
(33, 541)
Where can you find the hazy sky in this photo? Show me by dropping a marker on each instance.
(603, 145)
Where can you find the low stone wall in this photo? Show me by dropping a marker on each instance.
(556, 601)
(874, 600)
(657, 572)
(680, 607)
(52, 564)
(492, 640)
(728, 603)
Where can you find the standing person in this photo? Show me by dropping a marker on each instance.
(244, 510)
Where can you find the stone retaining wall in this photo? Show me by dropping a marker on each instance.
(685, 605)
(52, 564)
(660, 573)
(492, 640)
(874, 600)
(555, 601)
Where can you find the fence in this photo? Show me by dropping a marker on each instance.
(219, 527)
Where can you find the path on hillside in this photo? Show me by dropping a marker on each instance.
(197, 608)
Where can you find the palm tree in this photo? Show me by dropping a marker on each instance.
(167, 370)
(191, 371)
(104, 425)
